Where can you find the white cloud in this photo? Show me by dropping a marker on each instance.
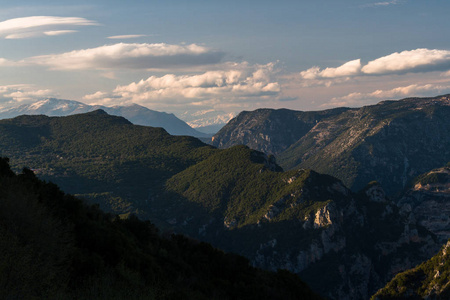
(241, 84)
(350, 68)
(11, 95)
(358, 99)
(58, 32)
(22, 35)
(133, 56)
(5, 62)
(34, 26)
(384, 3)
(409, 61)
(127, 36)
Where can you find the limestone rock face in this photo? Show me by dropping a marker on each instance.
(428, 201)
(324, 216)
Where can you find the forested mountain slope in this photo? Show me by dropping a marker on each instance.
(238, 199)
(53, 246)
(391, 142)
(429, 280)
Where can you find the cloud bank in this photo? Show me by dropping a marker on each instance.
(236, 85)
(11, 95)
(419, 60)
(132, 56)
(28, 27)
(410, 61)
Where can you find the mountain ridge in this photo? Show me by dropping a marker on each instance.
(391, 142)
(137, 114)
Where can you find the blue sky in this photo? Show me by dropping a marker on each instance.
(229, 56)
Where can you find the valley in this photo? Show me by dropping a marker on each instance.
(344, 243)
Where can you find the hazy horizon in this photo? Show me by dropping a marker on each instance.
(187, 57)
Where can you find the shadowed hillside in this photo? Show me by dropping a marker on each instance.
(53, 246)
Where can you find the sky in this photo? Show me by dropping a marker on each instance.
(189, 57)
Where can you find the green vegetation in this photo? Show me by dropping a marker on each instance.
(145, 171)
(429, 280)
(95, 153)
(391, 142)
(52, 246)
(236, 199)
(241, 185)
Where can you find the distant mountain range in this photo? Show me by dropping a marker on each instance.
(207, 121)
(136, 114)
(345, 245)
(391, 142)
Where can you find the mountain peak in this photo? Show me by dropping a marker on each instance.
(135, 113)
(98, 112)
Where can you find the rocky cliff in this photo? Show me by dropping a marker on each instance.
(344, 245)
(268, 130)
(428, 202)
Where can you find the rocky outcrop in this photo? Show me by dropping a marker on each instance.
(428, 202)
(353, 247)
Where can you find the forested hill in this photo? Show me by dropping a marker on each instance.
(135, 113)
(98, 155)
(53, 246)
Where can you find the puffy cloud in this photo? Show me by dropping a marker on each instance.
(359, 99)
(234, 85)
(22, 93)
(34, 26)
(409, 61)
(350, 68)
(133, 56)
(127, 36)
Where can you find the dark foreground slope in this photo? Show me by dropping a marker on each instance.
(391, 142)
(52, 246)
